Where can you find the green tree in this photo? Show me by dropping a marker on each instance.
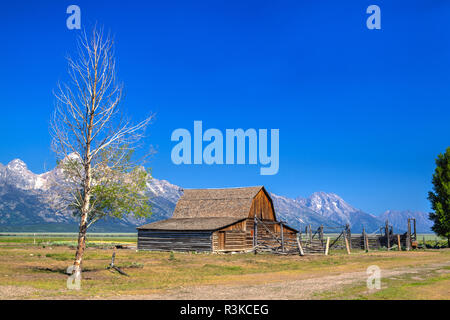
(118, 187)
(440, 196)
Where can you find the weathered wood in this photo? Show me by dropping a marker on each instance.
(255, 232)
(269, 234)
(399, 243)
(299, 244)
(221, 242)
(349, 234)
(336, 240)
(113, 258)
(346, 243)
(367, 242)
(364, 239)
(174, 241)
(310, 234)
(387, 234)
(112, 266)
(408, 236)
(327, 246)
(321, 233)
(262, 207)
(250, 232)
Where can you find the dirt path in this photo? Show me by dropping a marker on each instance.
(292, 289)
(15, 292)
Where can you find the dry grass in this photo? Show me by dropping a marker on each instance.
(30, 272)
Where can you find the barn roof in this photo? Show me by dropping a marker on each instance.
(209, 209)
(203, 203)
(191, 224)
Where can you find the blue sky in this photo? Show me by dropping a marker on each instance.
(362, 113)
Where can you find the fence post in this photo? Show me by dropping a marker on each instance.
(299, 243)
(399, 243)
(408, 236)
(367, 243)
(327, 246)
(310, 234)
(364, 239)
(386, 231)
(349, 233)
(346, 242)
(282, 236)
(321, 235)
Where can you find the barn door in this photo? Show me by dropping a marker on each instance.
(221, 240)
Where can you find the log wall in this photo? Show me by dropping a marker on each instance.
(175, 240)
(233, 240)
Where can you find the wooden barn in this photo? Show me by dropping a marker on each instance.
(219, 220)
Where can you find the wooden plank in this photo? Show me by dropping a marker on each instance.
(367, 243)
(255, 234)
(386, 231)
(310, 234)
(261, 205)
(327, 246)
(174, 240)
(364, 238)
(346, 243)
(408, 236)
(321, 233)
(221, 240)
(349, 234)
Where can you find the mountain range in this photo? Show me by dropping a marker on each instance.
(27, 204)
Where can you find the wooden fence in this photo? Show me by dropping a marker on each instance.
(270, 236)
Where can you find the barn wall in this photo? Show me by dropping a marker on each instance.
(235, 238)
(262, 207)
(232, 240)
(174, 240)
(266, 238)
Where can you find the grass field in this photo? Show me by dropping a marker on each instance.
(32, 267)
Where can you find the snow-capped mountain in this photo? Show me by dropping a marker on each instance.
(28, 203)
(17, 174)
(332, 207)
(296, 214)
(328, 204)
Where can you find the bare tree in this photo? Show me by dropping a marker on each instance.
(94, 143)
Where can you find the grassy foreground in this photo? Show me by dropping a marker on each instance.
(35, 270)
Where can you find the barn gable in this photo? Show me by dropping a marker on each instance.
(262, 206)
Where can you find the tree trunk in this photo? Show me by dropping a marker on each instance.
(83, 221)
(87, 172)
(81, 245)
(86, 201)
